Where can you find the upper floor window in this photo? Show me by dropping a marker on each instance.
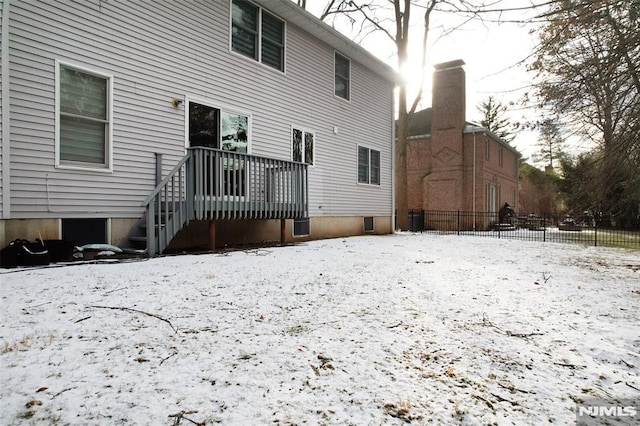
(342, 76)
(514, 165)
(257, 34)
(500, 155)
(487, 149)
(368, 166)
(84, 123)
(303, 146)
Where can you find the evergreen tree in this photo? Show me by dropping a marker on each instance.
(493, 118)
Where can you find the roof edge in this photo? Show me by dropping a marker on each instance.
(308, 22)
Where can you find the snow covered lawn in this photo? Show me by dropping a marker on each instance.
(363, 330)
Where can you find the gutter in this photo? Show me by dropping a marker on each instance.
(300, 17)
(6, 115)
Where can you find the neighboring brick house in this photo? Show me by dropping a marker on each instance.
(452, 164)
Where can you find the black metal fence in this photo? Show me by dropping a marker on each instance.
(531, 227)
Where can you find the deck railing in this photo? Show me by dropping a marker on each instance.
(211, 184)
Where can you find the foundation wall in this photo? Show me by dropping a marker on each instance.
(229, 233)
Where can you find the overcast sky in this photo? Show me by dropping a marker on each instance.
(493, 53)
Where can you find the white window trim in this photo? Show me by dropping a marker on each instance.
(259, 60)
(108, 167)
(293, 228)
(315, 142)
(221, 108)
(376, 185)
(348, 98)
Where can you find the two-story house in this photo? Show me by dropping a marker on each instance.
(452, 164)
(226, 121)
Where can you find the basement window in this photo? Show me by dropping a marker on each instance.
(368, 224)
(301, 227)
(85, 231)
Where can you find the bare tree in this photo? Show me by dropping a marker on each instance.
(393, 18)
(550, 144)
(588, 73)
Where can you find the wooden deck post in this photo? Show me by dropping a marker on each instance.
(212, 235)
(283, 229)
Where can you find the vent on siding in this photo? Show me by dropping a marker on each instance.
(85, 231)
(301, 227)
(368, 224)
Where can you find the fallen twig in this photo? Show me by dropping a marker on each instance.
(396, 325)
(179, 416)
(627, 364)
(571, 366)
(123, 308)
(501, 399)
(631, 386)
(164, 359)
(116, 289)
(82, 319)
(525, 335)
(486, 401)
(487, 323)
(513, 388)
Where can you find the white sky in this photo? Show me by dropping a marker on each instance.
(363, 330)
(492, 54)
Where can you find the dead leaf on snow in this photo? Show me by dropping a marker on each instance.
(32, 403)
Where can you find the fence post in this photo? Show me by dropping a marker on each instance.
(595, 234)
(544, 227)
(458, 222)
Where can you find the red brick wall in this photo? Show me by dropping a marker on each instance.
(440, 166)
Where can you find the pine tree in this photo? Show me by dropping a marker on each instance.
(493, 118)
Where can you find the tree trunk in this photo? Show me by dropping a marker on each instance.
(402, 202)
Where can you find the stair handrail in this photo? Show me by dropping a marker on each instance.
(176, 214)
(166, 180)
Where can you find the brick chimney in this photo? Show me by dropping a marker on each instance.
(443, 186)
(448, 99)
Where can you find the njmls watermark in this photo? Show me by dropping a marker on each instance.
(602, 412)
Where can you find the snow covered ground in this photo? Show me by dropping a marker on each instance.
(364, 330)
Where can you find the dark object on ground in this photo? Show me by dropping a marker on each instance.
(60, 250)
(24, 253)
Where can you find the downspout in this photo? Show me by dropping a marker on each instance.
(6, 115)
(393, 166)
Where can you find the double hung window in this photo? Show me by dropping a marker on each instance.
(368, 166)
(303, 146)
(84, 123)
(342, 78)
(257, 34)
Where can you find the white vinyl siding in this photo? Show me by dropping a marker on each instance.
(150, 66)
(83, 113)
(1, 127)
